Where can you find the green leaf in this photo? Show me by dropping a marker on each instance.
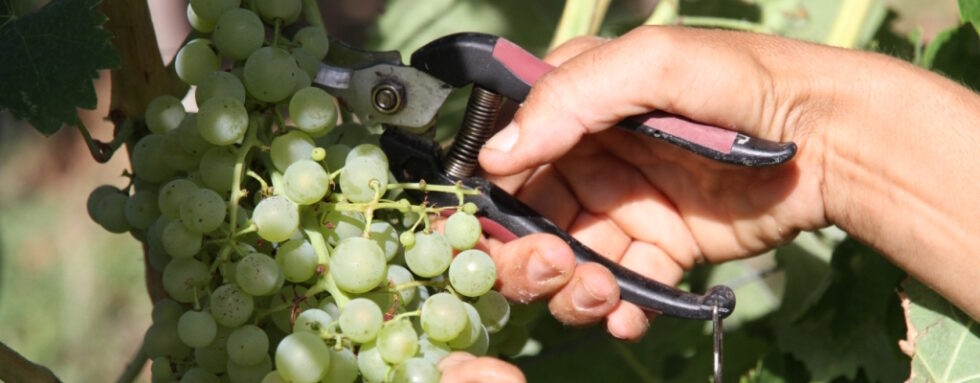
(946, 341)
(854, 325)
(49, 60)
(970, 12)
(955, 53)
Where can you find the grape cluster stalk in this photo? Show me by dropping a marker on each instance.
(287, 248)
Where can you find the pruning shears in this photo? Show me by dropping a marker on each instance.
(380, 89)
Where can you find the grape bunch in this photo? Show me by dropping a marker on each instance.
(286, 247)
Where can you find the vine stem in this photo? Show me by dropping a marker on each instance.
(664, 14)
(579, 18)
(851, 17)
(102, 152)
(16, 368)
(239, 170)
(134, 367)
(718, 22)
(311, 12)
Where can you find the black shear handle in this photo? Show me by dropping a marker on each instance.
(520, 220)
(502, 67)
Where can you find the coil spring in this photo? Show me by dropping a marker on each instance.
(478, 123)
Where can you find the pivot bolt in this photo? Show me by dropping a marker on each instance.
(388, 97)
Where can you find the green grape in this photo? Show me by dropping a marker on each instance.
(313, 39)
(313, 111)
(386, 237)
(470, 332)
(238, 373)
(189, 138)
(514, 342)
(158, 258)
(330, 306)
(359, 174)
(201, 25)
(164, 114)
(416, 370)
(312, 320)
(369, 151)
(306, 61)
(199, 375)
(463, 230)
(494, 310)
(430, 256)
(180, 242)
(110, 212)
(360, 320)
(269, 74)
(203, 211)
(302, 357)
(339, 225)
(161, 370)
(373, 368)
(218, 168)
(398, 275)
(303, 81)
(231, 307)
(481, 345)
(297, 259)
(470, 208)
(214, 356)
(212, 9)
(222, 120)
(258, 274)
(397, 341)
(276, 218)
(305, 182)
(407, 239)
(248, 345)
(273, 377)
(92, 205)
(172, 195)
(238, 33)
(443, 317)
(166, 311)
(195, 60)
(290, 147)
(285, 11)
(177, 157)
(183, 276)
(358, 265)
(149, 162)
(343, 367)
(220, 84)
(337, 156)
(196, 328)
(161, 340)
(432, 350)
(472, 273)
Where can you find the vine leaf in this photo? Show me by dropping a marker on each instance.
(955, 53)
(944, 340)
(49, 60)
(852, 327)
(970, 12)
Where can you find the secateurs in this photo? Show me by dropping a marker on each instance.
(379, 88)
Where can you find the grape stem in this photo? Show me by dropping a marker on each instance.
(134, 366)
(311, 12)
(257, 177)
(369, 210)
(404, 315)
(408, 285)
(236, 183)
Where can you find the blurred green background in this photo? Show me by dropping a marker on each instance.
(72, 295)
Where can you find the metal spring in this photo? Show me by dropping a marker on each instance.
(478, 123)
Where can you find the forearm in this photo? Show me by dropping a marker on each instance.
(902, 173)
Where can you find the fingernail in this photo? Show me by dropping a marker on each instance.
(540, 269)
(505, 139)
(584, 298)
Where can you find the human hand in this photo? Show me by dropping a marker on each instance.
(643, 203)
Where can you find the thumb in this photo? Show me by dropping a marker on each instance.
(709, 76)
